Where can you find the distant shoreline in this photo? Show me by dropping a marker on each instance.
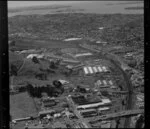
(21, 9)
(134, 8)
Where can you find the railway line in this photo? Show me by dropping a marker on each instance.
(116, 115)
(116, 62)
(81, 119)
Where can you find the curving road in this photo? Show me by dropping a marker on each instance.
(22, 65)
(116, 62)
(128, 88)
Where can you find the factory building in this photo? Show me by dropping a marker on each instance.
(72, 39)
(104, 83)
(140, 97)
(46, 112)
(30, 56)
(88, 112)
(103, 102)
(83, 54)
(96, 69)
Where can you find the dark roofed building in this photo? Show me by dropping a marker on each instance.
(49, 103)
(81, 100)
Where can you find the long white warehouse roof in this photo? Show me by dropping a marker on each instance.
(83, 54)
(71, 39)
(104, 101)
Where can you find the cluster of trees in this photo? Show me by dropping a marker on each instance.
(80, 89)
(49, 89)
(35, 60)
(13, 70)
(54, 64)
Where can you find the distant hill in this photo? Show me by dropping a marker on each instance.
(20, 9)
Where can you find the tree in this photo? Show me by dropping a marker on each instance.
(12, 43)
(57, 83)
(13, 70)
(30, 89)
(105, 93)
(35, 60)
(52, 65)
(140, 121)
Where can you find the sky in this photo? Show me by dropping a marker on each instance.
(16, 4)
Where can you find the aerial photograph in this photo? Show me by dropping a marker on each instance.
(76, 64)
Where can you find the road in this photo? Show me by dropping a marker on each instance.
(118, 114)
(22, 65)
(82, 120)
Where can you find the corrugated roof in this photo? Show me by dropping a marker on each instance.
(86, 70)
(104, 82)
(87, 110)
(104, 68)
(95, 69)
(110, 82)
(103, 108)
(100, 69)
(90, 69)
(99, 82)
(46, 112)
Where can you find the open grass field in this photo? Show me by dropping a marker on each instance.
(22, 105)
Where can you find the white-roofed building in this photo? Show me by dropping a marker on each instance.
(86, 70)
(63, 82)
(140, 97)
(100, 69)
(101, 28)
(103, 108)
(83, 54)
(72, 39)
(99, 82)
(30, 56)
(110, 82)
(94, 69)
(104, 69)
(93, 105)
(90, 69)
(104, 82)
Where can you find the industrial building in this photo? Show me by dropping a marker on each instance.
(89, 113)
(58, 125)
(83, 54)
(30, 56)
(46, 112)
(49, 103)
(94, 105)
(72, 39)
(104, 83)
(140, 97)
(89, 103)
(95, 69)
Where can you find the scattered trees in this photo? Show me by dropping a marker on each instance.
(37, 91)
